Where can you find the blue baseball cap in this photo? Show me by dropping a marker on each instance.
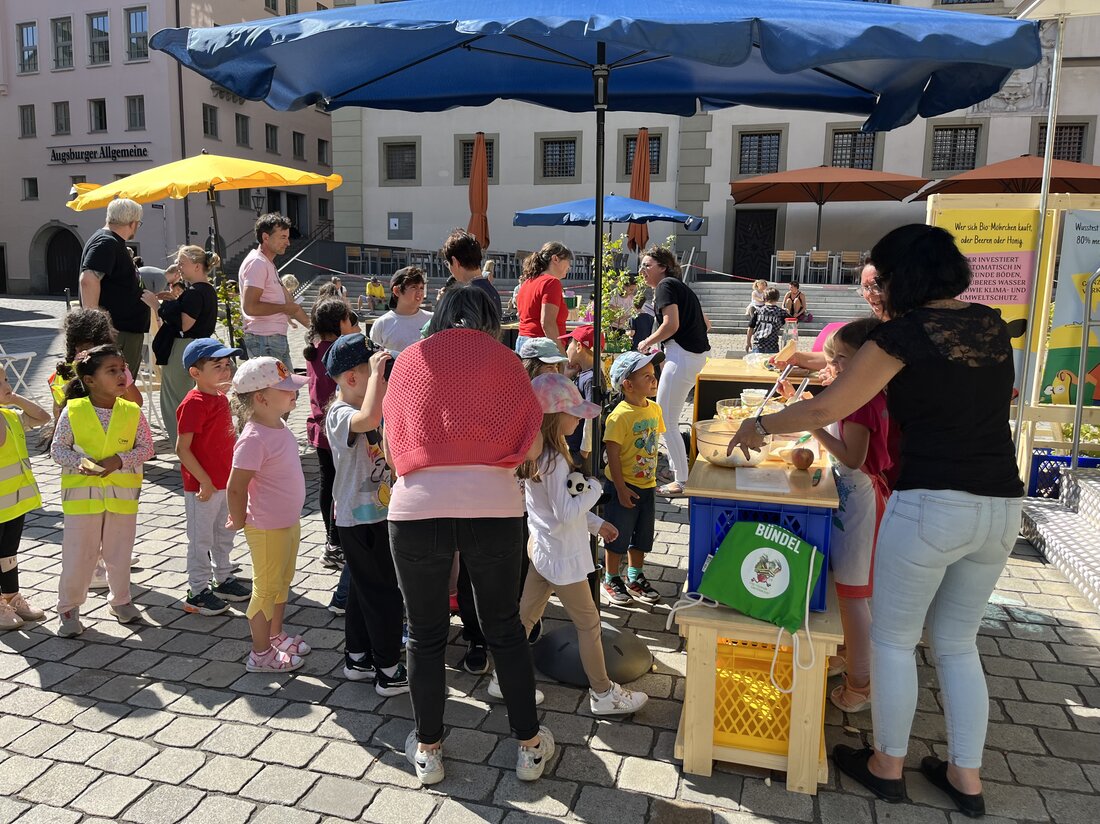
(207, 348)
(347, 352)
(628, 363)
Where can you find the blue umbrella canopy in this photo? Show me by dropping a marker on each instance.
(668, 56)
(615, 210)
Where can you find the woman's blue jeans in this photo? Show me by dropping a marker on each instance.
(938, 558)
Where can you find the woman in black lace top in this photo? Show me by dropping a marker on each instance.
(954, 516)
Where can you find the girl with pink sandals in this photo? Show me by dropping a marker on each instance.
(266, 492)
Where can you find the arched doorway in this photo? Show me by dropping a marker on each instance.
(63, 262)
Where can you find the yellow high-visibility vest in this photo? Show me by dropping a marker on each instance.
(18, 490)
(90, 494)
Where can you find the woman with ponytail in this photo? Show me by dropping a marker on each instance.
(193, 315)
(541, 300)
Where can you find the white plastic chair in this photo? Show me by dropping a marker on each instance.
(20, 364)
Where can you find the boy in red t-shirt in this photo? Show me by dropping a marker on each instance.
(205, 448)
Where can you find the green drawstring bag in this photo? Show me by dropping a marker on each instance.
(764, 571)
(768, 573)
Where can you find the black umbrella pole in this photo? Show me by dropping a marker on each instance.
(600, 78)
(219, 279)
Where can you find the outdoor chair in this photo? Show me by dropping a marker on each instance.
(354, 260)
(785, 262)
(850, 265)
(817, 267)
(20, 364)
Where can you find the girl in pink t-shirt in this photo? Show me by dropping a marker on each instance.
(266, 492)
(859, 453)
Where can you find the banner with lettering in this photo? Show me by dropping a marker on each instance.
(1080, 258)
(1001, 245)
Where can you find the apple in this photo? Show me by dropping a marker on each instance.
(802, 458)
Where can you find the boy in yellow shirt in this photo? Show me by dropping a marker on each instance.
(630, 438)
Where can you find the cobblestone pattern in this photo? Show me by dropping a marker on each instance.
(160, 723)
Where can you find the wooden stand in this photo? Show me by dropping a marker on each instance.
(805, 763)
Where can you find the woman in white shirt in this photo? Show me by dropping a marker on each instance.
(401, 326)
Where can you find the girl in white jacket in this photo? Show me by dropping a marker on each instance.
(559, 503)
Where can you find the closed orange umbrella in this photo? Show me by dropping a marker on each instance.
(479, 192)
(637, 234)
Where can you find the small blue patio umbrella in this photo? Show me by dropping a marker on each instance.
(887, 62)
(615, 210)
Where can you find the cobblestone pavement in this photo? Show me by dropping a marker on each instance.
(160, 723)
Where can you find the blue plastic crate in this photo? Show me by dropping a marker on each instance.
(711, 519)
(1046, 472)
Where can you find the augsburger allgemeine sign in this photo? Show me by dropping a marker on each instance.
(98, 153)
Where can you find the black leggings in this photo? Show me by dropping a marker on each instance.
(423, 553)
(10, 534)
(324, 503)
(467, 612)
(374, 608)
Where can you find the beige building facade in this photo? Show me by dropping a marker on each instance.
(84, 98)
(405, 172)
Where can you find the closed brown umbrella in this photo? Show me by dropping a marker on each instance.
(479, 192)
(823, 184)
(1020, 175)
(637, 234)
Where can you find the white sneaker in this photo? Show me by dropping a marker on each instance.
(531, 761)
(428, 764)
(99, 579)
(494, 690)
(616, 701)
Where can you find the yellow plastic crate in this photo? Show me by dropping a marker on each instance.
(749, 712)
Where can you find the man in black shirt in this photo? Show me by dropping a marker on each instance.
(109, 280)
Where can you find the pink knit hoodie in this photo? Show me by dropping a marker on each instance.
(459, 398)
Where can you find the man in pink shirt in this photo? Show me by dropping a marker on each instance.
(266, 305)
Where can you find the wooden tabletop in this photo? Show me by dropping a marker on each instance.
(824, 626)
(709, 481)
(736, 370)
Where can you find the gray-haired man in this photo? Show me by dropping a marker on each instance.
(109, 280)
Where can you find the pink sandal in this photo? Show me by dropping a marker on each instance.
(292, 645)
(274, 660)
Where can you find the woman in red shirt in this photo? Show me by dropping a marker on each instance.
(541, 300)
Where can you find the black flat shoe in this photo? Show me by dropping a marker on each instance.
(935, 770)
(853, 763)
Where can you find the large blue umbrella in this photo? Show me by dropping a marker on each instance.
(615, 210)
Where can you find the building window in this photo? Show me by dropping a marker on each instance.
(271, 137)
(400, 159)
(27, 125)
(62, 42)
(630, 145)
(466, 149)
(135, 112)
(853, 149)
(954, 148)
(242, 130)
(322, 208)
(758, 153)
(28, 47)
(137, 34)
(78, 179)
(559, 158)
(97, 115)
(323, 156)
(298, 144)
(61, 124)
(30, 188)
(244, 199)
(209, 120)
(291, 6)
(271, 5)
(1069, 141)
(99, 38)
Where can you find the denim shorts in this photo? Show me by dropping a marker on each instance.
(275, 346)
(635, 525)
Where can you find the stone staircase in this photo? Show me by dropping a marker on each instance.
(1067, 529)
(725, 305)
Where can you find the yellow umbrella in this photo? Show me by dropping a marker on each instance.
(201, 173)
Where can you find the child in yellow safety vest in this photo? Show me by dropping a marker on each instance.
(18, 496)
(101, 442)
